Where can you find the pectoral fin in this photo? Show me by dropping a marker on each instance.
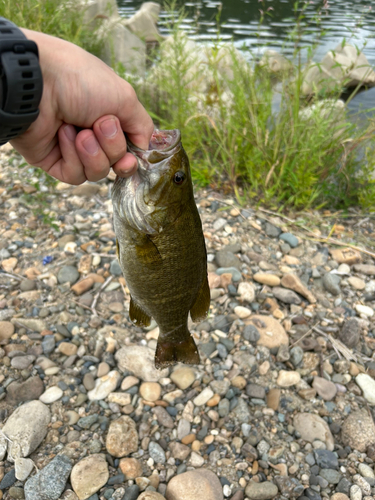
(202, 304)
(148, 252)
(137, 315)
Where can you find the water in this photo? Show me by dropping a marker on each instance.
(353, 20)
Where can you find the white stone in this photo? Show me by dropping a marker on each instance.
(89, 475)
(246, 292)
(343, 269)
(312, 427)
(140, 361)
(367, 384)
(51, 395)
(203, 397)
(70, 247)
(288, 378)
(242, 312)
(23, 467)
(366, 471)
(196, 460)
(104, 386)
(365, 310)
(355, 492)
(26, 429)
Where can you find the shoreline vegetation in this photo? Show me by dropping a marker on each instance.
(247, 128)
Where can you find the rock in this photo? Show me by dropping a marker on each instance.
(115, 268)
(286, 296)
(196, 460)
(35, 325)
(104, 386)
(343, 66)
(339, 496)
(288, 378)
(27, 285)
(326, 459)
(364, 310)
(233, 271)
(272, 334)
(68, 348)
(356, 283)
(179, 451)
(86, 189)
(26, 428)
(120, 398)
(227, 259)
(350, 332)
(312, 427)
(156, 452)
(261, 491)
(130, 467)
(273, 398)
(150, 391)
(122, 437)
(83, 286)
(89, 475)
(23, 468)
(294, 283)
(150, 495)
(9, 264)
(345, 255)
(51, 395)
(163, 417)
(193, 485)
(242, 312)
(331, 283)
(140, 361)
(358, 431)
(68, 274)
(367, 384)
(290, 239)
(203, 397)
(246, 292)
(289, 487)
(366, 471)
(330, 475)
(267, 279)
(326, 389)
(6, 330)
(367, 269)
(49, 483)
(183, 377)
(22, 362)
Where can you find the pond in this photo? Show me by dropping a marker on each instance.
(329, 20)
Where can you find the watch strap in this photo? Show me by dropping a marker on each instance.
(21, 82)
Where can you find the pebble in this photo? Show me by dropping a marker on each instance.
(104, 386)
(366, 471)
(26, 428)
(139, 360)
(195, 484)
(358, 431)
(68, 274)
(89, 475)
(49, 483)
(326, 389)
(242, 312)
(356, 283)
(350, 332)
(156, 452)
(261, 491)
(288, 378)
(67, 348)
(286, 296)
(130, 467)
(365, 310)
(6, 330)
(122, 437)
(272, 334)
(246, 292)
(22, 362)
(367, 384)
(312, 427)
(331, 283)
(267, 279)
(183, 377)
(51, 395)
(150, 391)
(150, 495)
(203, 397)
(23, 468)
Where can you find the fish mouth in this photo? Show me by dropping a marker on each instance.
(163, 144)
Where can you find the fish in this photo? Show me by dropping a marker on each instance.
(161, 247)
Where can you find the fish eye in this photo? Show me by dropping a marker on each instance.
(179, 178)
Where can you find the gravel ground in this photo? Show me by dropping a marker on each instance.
(281, 406)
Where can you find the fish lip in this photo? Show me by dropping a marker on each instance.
(162, 145)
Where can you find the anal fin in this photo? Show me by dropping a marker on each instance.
(137, 315)
(169, 353)
(201, 305)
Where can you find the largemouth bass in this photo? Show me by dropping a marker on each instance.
(160, 246)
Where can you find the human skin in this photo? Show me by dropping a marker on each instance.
(80, 90)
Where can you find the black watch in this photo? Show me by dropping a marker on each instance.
(21, 82)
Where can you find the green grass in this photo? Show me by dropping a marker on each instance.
(61, 18)
(236, 141)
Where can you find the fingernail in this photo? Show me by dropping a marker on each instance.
(70, 132)
(91, 145)
(108, 127)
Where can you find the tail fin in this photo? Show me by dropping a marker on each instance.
(183, 351)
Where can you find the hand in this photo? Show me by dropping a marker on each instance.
(82, 91)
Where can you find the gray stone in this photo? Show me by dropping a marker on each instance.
(271, 230)
(227, 259)
(325, 388)
(358, 431)
(326, 459)
(68, 274)
(296, 355)
(49, 483)
(131, 493)
(140, 361)
(115, 268)
(331, 283)
(27, 285)
(251, 334)
(350, 332)
(22, 362)
(331, 475)
(30, 389)
(156, 452)
(236, 274)
(290, 239)
(163, 417)
(261, 491)
(255, 391)
(289, 487)
(8, 479)
(241, 413)
(48, 344)
(286, 296)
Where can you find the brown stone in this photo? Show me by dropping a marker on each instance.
(83, 286)
(122, 437)
(267, 279)
(30, 389)
(345, 255)
(358, 430)
(6, 330)
(188, 439)
(130, 467)
(195, 484)
(292, 282)
(273, 398)
(9, 264)
(84, 265)
(272, 334)
(214, 401)
(32, 273)
(68, 348)
(86, 189)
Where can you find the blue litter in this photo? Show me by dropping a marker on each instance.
(47, 260)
